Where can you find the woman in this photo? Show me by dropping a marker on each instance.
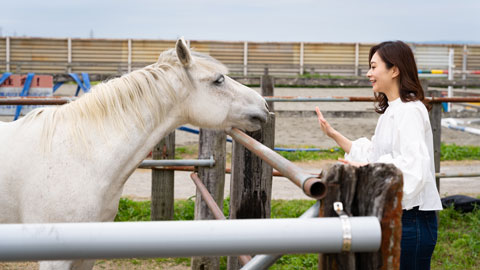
(403, 137)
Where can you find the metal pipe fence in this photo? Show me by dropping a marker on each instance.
(67, 241)
(148, 164)
(263, 261)
(212, 205)
(181, 166)
(64, 100)
(311, 185)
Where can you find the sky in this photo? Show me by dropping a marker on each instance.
(247, 20)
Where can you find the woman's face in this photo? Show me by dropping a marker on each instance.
(378, 74)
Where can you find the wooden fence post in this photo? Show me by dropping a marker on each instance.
(251, 181)
(372, 190)
(267, 88)
(436, 123)
(212, 143)
(163, 181)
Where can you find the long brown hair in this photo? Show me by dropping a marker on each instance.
(397, 53)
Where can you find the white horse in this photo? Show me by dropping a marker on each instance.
(70, 163)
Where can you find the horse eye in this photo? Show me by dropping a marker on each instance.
(219, 80)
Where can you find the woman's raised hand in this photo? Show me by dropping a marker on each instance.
(326, 128)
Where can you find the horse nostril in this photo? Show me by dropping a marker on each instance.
(259, 118)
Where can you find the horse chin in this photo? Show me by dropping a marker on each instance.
(253, 126)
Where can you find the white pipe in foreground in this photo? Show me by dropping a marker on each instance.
(264, 261)
(183, 238)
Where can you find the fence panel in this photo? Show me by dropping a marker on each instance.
(110, 56)
(146, 52)
(39, 55)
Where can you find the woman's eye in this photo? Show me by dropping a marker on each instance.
(219, 80)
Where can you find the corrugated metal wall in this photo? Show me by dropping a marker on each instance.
(324, 58)
(279, 58)
(99, 56)
(229, 53)
(3, 52)
(473, 58)
(145, 52)
(38, 55)
(113, 56)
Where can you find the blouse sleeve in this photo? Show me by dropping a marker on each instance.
(360, 150)
(410, 152)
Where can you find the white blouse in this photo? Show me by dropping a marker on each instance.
(403, 137)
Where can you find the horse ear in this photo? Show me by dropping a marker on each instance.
(183, 52)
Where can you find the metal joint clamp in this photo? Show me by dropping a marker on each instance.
(346, 226)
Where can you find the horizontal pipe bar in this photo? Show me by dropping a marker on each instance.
(64, 100)
(213, 206)
(177, 162)
(35, 100)
(312, 186)
(360, 99)
(277, 173)
(67, 241)
(227, 170)
(455, 175)
(264, 261)
(453, 99)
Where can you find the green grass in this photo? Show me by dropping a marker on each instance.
(457, 152)
(448, 152)
(327, 154)
(458, 245)
(186, 152)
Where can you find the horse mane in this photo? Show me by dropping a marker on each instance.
(122, 100)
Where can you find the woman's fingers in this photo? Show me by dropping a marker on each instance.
(319, 113)
(353, 163)
(321, 120)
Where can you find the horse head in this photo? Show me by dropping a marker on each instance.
(212, 99)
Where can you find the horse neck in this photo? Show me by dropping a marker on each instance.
(134, 132)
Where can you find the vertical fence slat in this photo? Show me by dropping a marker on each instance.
(251, 181)
(436, 124)
(163, 181)
(7, 54)
(212, 143)
(267, 84)
(245, 58)
(69, 55)
(302, 55)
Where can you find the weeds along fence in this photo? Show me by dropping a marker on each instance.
(250, 198)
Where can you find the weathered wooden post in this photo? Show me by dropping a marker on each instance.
(251, 181)
(163, 181)
(267, 88)
(212, 143)
(251, 178)
(372, 190)
(436, 123)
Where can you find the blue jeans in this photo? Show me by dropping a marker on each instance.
(419, 236)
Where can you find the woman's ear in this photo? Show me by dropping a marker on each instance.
(395, 72)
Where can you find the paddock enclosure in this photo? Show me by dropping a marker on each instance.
(339, 191)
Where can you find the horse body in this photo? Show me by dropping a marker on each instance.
(70, 163)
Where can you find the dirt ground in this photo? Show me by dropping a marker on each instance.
(295, 131)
